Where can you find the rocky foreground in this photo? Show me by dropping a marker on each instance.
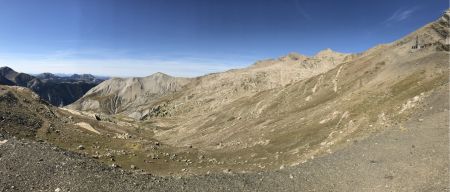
(375, 121)
(415, 159)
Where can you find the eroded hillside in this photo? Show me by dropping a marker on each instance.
(117, 94)
(376, 121)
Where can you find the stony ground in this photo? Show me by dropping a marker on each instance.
(414, 158)
(377, 123)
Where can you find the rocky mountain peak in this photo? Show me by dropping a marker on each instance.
(159, 74)
(6, 70)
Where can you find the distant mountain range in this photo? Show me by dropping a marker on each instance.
(88, 78)
(57, 90)
(70, 77)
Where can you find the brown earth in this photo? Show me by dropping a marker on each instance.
(375, 121)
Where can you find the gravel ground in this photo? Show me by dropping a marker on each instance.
(415, 159)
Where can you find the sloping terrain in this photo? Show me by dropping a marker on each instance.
(213, 91)
(293, 123)
(375, 121)
(117, 94)
(415, 159)
(25, 116)
(58, 91)
(18, 116)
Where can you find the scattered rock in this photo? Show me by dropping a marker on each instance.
(80, 147)
(3, 142)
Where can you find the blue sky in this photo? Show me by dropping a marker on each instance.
(193, 37)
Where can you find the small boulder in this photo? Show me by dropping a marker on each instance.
(97, 117)
(228, 171)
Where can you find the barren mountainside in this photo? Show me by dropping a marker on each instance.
(213, 91)
(58, 91)
(373, 121)
(366, 93)
(296, 107)
(118, 94)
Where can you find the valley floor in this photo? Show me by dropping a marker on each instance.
(411, 158)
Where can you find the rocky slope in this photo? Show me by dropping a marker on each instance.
(375, 121)
(118, 94)
(395, 160)
(56, 90)
(412, 158)
(245, 113)
(213, 91)
(295, 107)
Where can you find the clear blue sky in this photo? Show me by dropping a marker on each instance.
(193, 37)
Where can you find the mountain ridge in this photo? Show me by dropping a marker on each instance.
(374, 121)
(56, 90)
(115, 94)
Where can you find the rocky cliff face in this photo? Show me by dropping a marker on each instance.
(58, 91)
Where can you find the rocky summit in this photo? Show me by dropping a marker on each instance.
(371, 121)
